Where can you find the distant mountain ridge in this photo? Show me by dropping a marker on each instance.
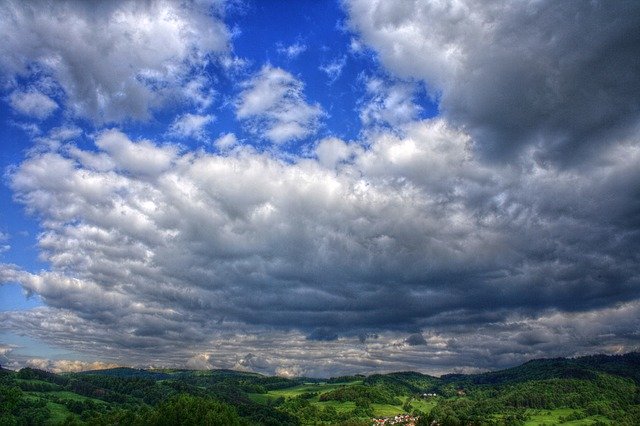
(585, 367)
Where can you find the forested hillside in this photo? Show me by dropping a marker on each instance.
(595, 390)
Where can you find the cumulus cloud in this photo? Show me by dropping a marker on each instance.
(114, 61)
(136, 157)
(5, 349)
(199, 362)
(226, 141)
(388, 104)
(331, 151)
(558, 77)
(34, 104)
(404, 233)
(190, 126)
(272, 105)
(67, 366)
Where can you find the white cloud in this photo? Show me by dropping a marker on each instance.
(67, 366)
(65, 133)
(333, 69)
(199, 92)
(116, 61)
(191, 126)
(4, 248)
(292, 51)
(331, 151)
(272, 105)
(33, 104)
(5, 349)
(289, 372)
(355, 46)
(389, 104)
(31, 129)
(136, 157)
(226, 141)
(199, 362)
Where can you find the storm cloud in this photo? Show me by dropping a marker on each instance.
(560, 79)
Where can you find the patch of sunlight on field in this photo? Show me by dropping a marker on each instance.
(74, 396)
(552, 418)
(261, 398)
(58, 412)
(385, 410)
(310, 388)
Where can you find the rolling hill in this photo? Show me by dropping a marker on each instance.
(592, 390)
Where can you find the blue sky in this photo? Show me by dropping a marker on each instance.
(318, 188)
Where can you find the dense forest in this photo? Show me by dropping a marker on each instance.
(593, 390)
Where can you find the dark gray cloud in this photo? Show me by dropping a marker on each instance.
(469, 348)
(416, 339)
(323, 334)
(558, 80)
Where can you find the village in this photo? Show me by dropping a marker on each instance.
(400, 419)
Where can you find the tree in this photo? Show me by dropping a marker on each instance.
(187, 410)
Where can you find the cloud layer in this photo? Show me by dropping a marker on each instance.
(155, 246)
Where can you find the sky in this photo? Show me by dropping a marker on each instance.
(318, 188)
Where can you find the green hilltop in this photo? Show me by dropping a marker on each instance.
(592, 390)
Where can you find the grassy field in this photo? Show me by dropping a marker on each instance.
(552, 417)
(35, 382)
(58, 412)
(310, 387)
(424, 405)
(261, 398)
(319, 388)
(380, 410)
(74, 396)
(385, 410)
